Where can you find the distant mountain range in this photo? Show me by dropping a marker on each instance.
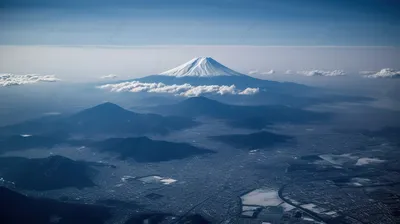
(290, 98)
(254, 117)
(140, 149)
(106, 118)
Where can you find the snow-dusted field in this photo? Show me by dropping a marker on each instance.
(262, 197)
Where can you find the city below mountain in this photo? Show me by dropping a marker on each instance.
(18, 208)
(258, 140)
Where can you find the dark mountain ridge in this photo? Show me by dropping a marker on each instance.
(241, 116)
(143, 149)
(106, 118)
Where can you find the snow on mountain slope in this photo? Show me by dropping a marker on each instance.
(201, 67)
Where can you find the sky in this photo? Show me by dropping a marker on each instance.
(83, 40)
(205, 22)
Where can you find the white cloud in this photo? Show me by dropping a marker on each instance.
(14, 80)
(200, 90)
(253, 72)
(110, 76)
(316, 72)
(290, 72)
(322, 73)
(186, 89)
(256, 72)
(270, 72)
(385, 73)
(249, 91)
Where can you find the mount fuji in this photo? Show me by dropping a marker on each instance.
(206, 76)
(207, 71)
(201, 67)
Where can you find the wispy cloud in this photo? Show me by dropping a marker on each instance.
(366, 72)
(290, 72)
(15, 80)
(316, 73)
(186, 90)
(385, 73)
(257, 72)
(270, 72)
(110, 76)
(322, 73)
(253, 72)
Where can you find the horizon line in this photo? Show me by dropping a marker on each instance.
(195, 45)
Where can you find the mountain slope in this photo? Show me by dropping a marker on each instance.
(201, 67)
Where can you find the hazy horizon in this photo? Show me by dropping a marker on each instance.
(80, 63)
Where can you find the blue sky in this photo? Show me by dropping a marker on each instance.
(206, 22)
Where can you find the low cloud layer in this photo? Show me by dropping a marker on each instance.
(186, 90)
(384, 73)
(15, 80)
(110, 76)
(322, 73)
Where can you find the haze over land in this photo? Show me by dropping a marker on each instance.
(212, 111)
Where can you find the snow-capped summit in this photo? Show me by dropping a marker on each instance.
(201, 67)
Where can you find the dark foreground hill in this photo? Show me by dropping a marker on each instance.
(54, 172)
(17, 208)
